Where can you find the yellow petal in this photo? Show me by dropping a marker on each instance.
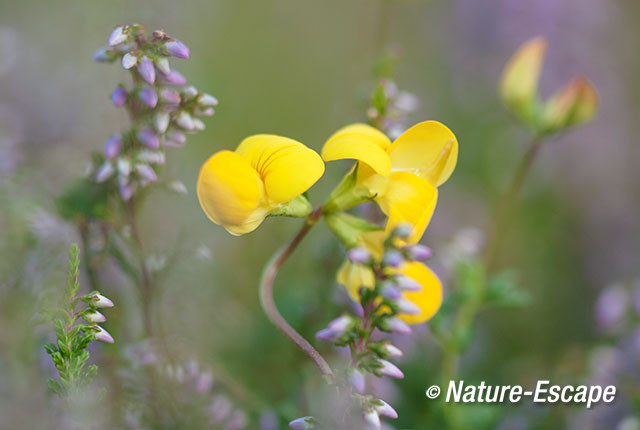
(230, 192)
(355, 276)
(287, 167)
(409, 199)
(359, 142)
(428, 149)
(428, 299)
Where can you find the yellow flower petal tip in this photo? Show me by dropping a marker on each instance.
(428, 149)
(519, 82)
(359, 142)
(238, 190)
(429, 299)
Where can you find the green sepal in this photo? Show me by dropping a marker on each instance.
(348, 228)
(298, 207)
(347, 194)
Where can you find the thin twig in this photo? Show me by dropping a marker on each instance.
(269, 306)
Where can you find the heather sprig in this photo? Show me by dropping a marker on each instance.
(69, 353)
(162, 107)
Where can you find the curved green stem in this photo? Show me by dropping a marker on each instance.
(269, 306)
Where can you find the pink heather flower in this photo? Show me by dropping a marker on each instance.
(148, 96)
(390, 291)
(372, 419)
(407, 307)
(389, 369)
(129, 60)
(146, 70)
(177, 49)
(177, 136)
(419, 252)
(168, 96)
(392, 350)
(185, 121)
(94, 317)
(303, 423)
(327, 335)
(359, 255)
(205, 99)
(102, 335)
(100, 301)
(112, 146)
(174, 78)
(393, 259)
(125, 189)
(117, 36)
(149, 138)
(386, 410)
(161, 121)
(162, 64)
(398, 326)
(146, 172)
(356, 379)
(119, 96)
(104, 172)
(408, 284)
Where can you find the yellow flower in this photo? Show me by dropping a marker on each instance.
(355, 276)
(401, 176)
(266, 175)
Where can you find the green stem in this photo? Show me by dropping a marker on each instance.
(269, 306)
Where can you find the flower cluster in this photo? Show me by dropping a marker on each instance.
(403, 291)
(69, 353)
(162, 106)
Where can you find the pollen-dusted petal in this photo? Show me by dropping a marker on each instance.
(428, 299)
(428, 149)
(359, 142)
(230, 192)
(287, 167)
(355, 276)
(409, 199)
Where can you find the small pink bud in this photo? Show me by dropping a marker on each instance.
(146, 172)
(100, 301)
(327, 335)
(161, 121)
(104, 172)
(94, 317)
(398, 326)
(149, 138)
(389, 369)
(386, 410)
(372, 420)
(177, 49)
(304, 423)
(393, 259)
(146, 70)
(148, 96)
(104, 55)
(129, 60)
(162, 64)
(341, 324)
(419, 252)
(392, 350)
(407, 307)
(205, 99)
(117, 36)
(119, 96)
(102, 335)
(174, 78)
(408, 284)
(185, 121)
(356, 379)
(359, 255)
(112, 146)
(168, 96)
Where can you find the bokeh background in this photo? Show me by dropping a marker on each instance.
(303, 69)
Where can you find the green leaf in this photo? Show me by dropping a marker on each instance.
(51, 348)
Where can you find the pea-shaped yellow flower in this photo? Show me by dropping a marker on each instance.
(402, 176)
(265, 175)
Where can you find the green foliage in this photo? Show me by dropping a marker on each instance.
(69, 354)
(84, 199)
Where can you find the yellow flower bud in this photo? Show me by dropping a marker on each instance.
(519, 83)
(572, 105)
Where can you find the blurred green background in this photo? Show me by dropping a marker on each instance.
(303, 69)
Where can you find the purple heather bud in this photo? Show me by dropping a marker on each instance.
(372, 420)
(392, 350)
(359, 255)
(398, 326)
(112, 146)
(327, 335)
(198, 125)
(611, 307)
(162, 64)
(94, 317)
(149, 138)
(190, 92)
(104, 55)
(205, 99)
(408, 284)
(407, 307)
(220, 408)
(168, 96)
(102, 335)
(161, 121)
(117, 36)
(129, 60)
(125, 189)
(119, 96)
(148, 96)
(146, 70)
(419, 252)
(124, 167)
(146, 172)
(171, 144)
(185, 121)
(390, 290)
(389, 369)
(177, 136)
(386, 410)
(356, 379)
(153, 157)
(204, 383)
(341, 324)
(177, 49)
(100, 301)
(304, 423)
(173, 78)
(393, 259)
(204, 112)
(403, 231)
(105, 172)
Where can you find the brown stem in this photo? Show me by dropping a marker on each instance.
(505, 208)
(269, 306)
(146, 277)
